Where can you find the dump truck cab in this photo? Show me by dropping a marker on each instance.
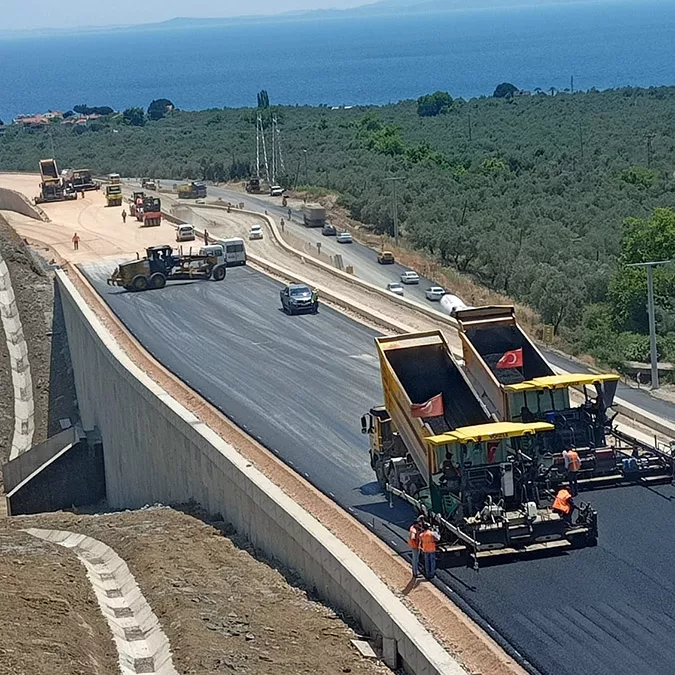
(253, 186)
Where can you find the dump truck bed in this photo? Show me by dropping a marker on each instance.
(415, 368)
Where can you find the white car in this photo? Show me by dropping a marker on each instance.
(410, 277)
(185, 233)
(256, 232)
(276, 191)
(395, 288)
(435, 293)
(344, 238)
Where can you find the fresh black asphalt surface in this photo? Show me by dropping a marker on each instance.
(300, 384)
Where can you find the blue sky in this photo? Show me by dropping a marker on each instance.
(29, 14)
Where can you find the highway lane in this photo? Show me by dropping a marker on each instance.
(365, 261)
(300, 384)
(363, 258)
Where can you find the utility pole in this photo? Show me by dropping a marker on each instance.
(470, 134)
(649, 137)
(572, 84)
(652, 320)
(394, 196)
(306, 174)
(581, 141)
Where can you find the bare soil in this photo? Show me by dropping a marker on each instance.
(221, 608)
(50, 621)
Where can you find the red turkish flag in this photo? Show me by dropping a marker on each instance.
(512, 359)
(432, 408)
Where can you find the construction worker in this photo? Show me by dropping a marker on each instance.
(124, 215)
(428, 538)
(572, 466)
(414, 543)
(282, 224)
(76, 241)
(206, 238)
(289, 214)
(563, 504)
(315, 300)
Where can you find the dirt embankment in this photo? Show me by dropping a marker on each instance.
(50, 621)
(53, 392)
(222, 610)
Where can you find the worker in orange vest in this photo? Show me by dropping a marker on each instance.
(414, 543)
(428, 538)
(564, 504)
(573, 466)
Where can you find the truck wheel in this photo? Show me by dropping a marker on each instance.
(139, 283)
(219, 272)
(157, 280)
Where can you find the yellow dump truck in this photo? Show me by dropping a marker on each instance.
(113, 190)
(435, 445)
(518, 385)
(52, 186)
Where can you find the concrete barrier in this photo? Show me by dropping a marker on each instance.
(626, 409)
(157, 451)
(10, 200)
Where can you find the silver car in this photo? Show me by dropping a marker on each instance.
(395, 288)
(435, 293)
(410, 277)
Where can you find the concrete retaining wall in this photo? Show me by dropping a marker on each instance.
(15, 201)
(72, 476)
(157, 451)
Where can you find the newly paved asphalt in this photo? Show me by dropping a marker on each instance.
(365, 262)
(300, 384)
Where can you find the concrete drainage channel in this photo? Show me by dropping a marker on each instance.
(142, 646)
(24, 405)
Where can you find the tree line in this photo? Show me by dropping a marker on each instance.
(538, 197)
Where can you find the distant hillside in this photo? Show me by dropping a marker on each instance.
(380, 8)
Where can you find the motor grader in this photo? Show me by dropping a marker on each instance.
(162, 264)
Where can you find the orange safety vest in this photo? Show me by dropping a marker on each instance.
(428, 541)
(562, 501)
(413, 537)
(574, 461)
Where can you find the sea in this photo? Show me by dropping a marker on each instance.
(344, 61)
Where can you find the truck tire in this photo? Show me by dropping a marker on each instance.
(157, 280)
(139, 283)
(218, 273)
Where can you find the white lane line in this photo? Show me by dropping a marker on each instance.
(24, 405)
(142, 646)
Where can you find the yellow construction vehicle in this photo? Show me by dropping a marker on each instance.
(113, 190)
(518, 385)
(435, 445)
(161, 264)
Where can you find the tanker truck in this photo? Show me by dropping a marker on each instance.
(436, 445)
(518, 385)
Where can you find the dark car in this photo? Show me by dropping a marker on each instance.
(297, 298)
(328, 231)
